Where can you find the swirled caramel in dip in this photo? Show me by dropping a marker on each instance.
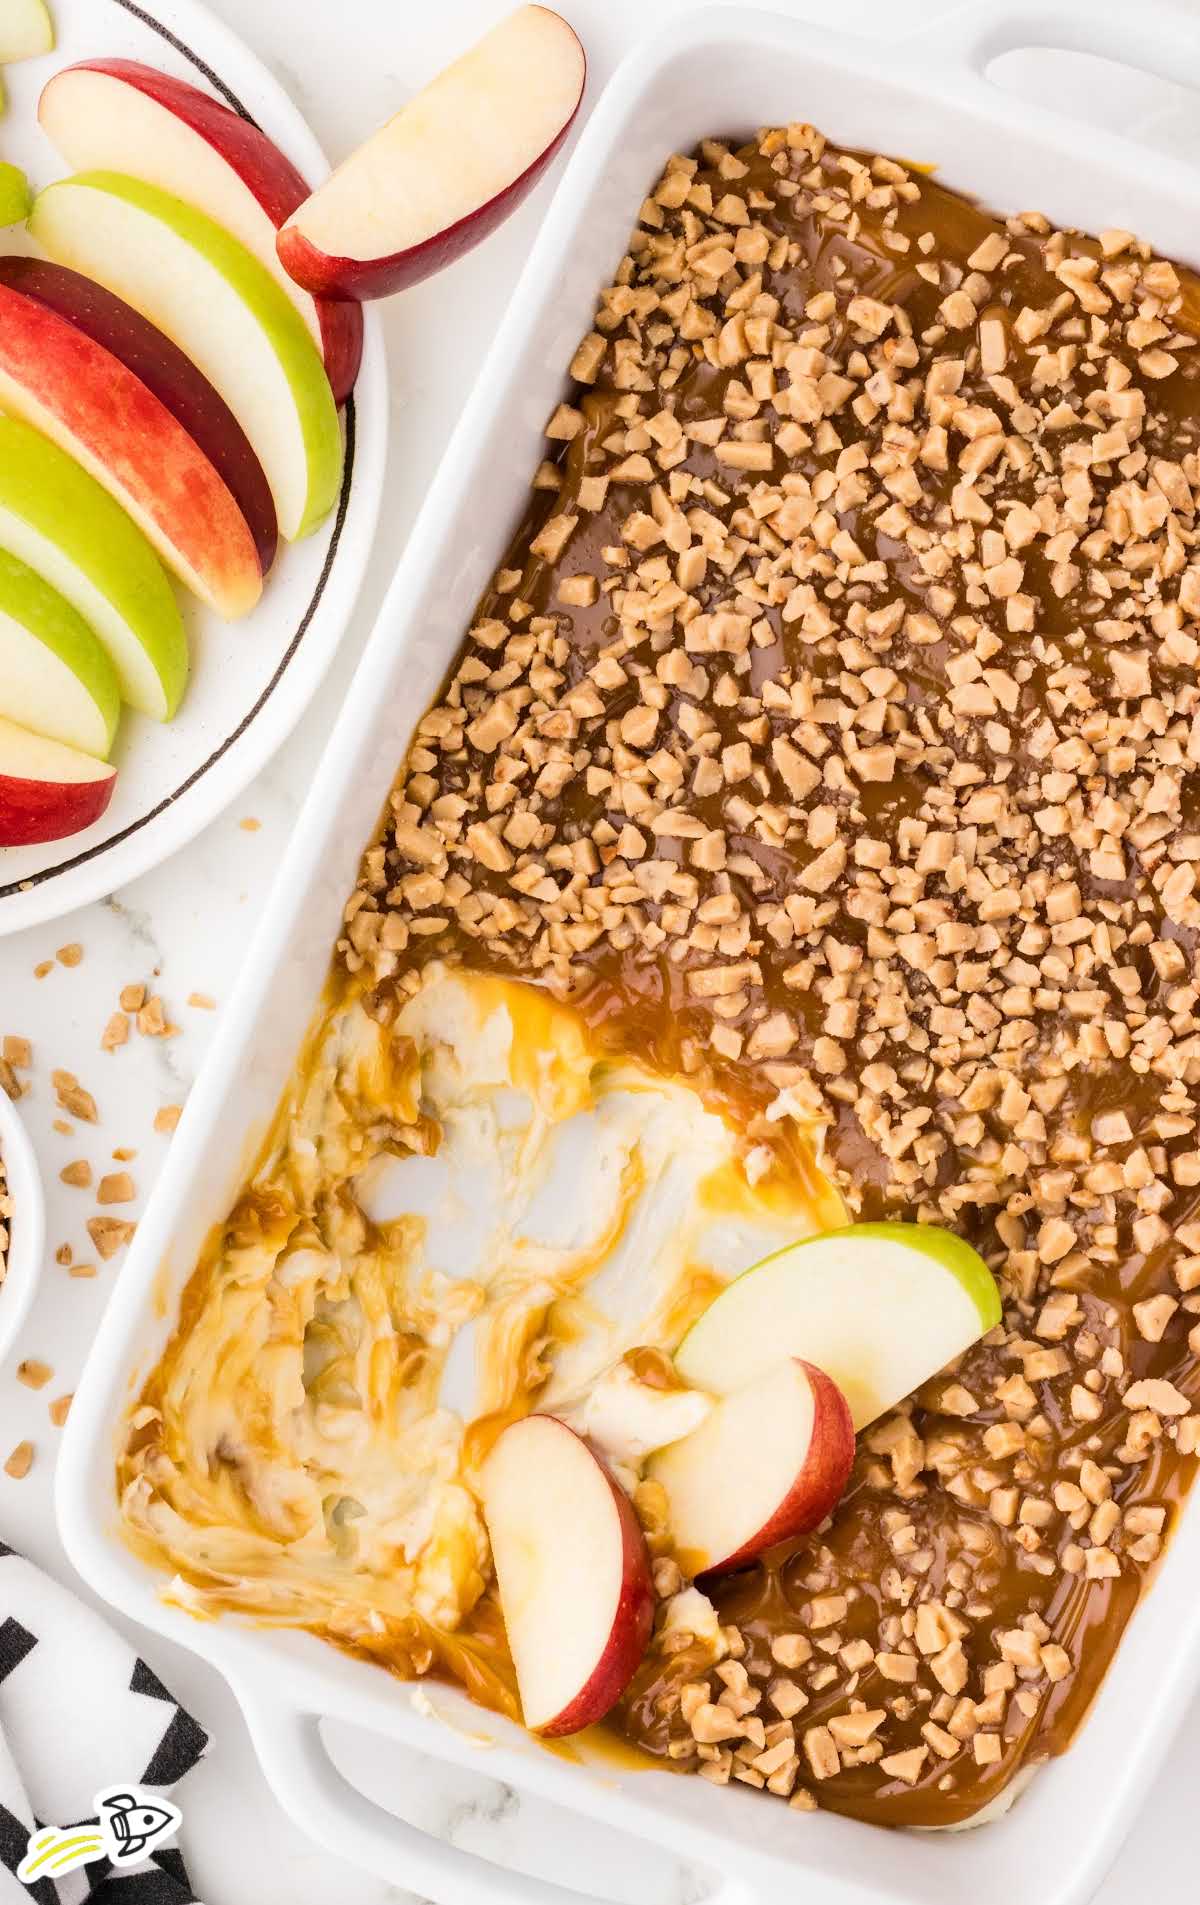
(826, 745)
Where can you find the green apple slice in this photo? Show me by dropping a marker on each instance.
(220, 305)
(15, 195)
(879, 1307)
(26, 30)
(60, 523)
(55, 677)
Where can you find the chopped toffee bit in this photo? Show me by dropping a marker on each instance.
(115, 1033)
(117, 1188)
(72, 1097)
(34, 1374)
(110, 1234)
(166, 1118)
(20, 1461)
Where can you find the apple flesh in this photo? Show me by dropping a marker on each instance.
(58, 520)
(167, 373)
(879, 1307)
(121, 116)
(26, 30)
(768, 1464)
(572, 1570)
(88, 402)
(449, 168)
(203, 288)
(55, 678)
(47, 791)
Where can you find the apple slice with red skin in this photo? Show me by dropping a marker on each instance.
(87, 401)
(573, 1573)
(167, 372)
(122, 116)
(48, 791)
(768, 1464)
(447, 169)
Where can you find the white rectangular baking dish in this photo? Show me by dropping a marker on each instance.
(718, 71)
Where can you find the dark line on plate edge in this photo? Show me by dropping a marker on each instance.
(81, 859)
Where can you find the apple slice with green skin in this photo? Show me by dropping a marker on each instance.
(121, 116)
(879, 1307)
(48, 791)
(205, 290)
(59, 521)
(15, 195)
(167, 373)
(26, 30)
(89, 403)
(55, 678)
(573, 1573)
(449, 168)
(768, 1464)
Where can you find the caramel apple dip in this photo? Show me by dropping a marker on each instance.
(800, 859)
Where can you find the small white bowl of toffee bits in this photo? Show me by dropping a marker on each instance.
(22, 1223)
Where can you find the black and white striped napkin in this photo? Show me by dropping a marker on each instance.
(79, 1711)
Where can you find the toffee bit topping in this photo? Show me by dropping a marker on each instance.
(832, 725)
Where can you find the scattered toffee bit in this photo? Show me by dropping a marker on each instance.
(115, 1033)
(20, 1461)
(43, 967)
(34, 1374)
(166, 1118)
(116, 1188)
(201, 1002)
(81, 1269)
(109, 1234)
(59, 1410)
(249, 824)
(63, 1254)
(17, 1052)
(78, 1174)
(133, 998)
(72, 1097)
(71, 955)
(152, 1021)
(830, 733)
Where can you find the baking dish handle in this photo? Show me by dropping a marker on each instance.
(324, 1804)
(1153, 37)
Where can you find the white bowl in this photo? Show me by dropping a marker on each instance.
(27, 1225)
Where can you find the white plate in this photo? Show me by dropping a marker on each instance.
(252, 680)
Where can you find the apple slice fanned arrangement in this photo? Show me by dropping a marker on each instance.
(181, 349)
(786, 1364)
(168, 411)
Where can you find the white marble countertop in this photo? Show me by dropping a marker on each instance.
(181, 930)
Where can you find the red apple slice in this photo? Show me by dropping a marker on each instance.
(167, 373)
(47, 791)
(120, 116)
(767, 1465)
(573, 1573)
(447, 169)
(88, 402)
